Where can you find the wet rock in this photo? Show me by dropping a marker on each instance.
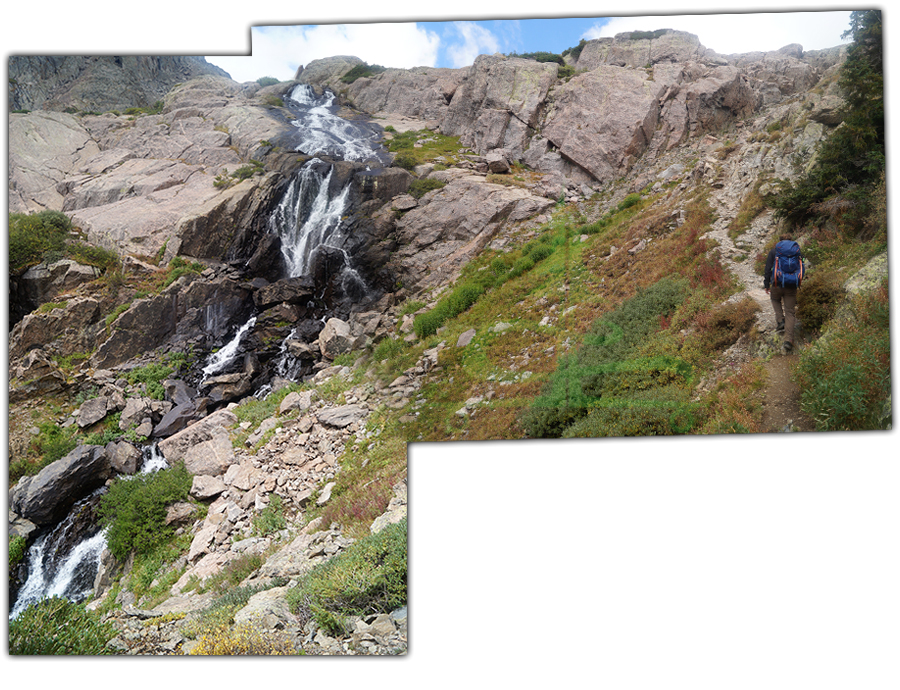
(228, 387)
(180, 416)
(297, 290)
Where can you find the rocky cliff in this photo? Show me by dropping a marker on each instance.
(629, 94)
(98, 83)
(660, 115)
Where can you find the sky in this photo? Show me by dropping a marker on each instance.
(277, 51)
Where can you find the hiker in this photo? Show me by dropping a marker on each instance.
(784, 273)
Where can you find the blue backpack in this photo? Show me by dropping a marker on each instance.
(788, 271)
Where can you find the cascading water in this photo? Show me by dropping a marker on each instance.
(223, 357)
(53, 572)
(322, 130)
(308, 218)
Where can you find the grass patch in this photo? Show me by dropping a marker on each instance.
(56, 626)
(369, 577)
(845, 378)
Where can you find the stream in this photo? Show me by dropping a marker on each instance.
(308, 219)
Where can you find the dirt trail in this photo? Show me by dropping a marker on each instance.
(782, 410)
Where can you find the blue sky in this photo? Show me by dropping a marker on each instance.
(277, 50)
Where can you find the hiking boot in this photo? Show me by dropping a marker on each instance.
(787, 348)
(779, 327)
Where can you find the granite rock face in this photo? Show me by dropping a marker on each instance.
(99, 83)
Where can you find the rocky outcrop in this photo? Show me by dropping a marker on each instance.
(98, 83)
(439, 236)
(156, 184)
(46, 498)
(668, 88)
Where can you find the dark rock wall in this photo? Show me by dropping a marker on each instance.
(98, 83)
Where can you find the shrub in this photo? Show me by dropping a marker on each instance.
(458, 301)
(271, 518)
(603, 369)
(247, 639)
(104, 259)
(721, 326)
(267, 81)
(405, 160)
(134, 509)
(818, 298)
(363, 70)
(32, 236)
(845, 379)
(17, 548)
(369, 577)
(419, 188)
(57, 626)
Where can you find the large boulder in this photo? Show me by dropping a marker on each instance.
(212, 457)
(71, 327)
(46, 498)
(438, 238)
(499, 101)
(176, 446)
(603, 120)
(336, 339)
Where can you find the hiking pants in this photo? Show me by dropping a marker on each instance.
(784, 302)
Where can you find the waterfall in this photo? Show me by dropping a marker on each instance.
(219, 360)
(71, 575)
(322, 130)
(307, 218)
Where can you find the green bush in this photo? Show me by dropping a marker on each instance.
(818, 297)
(267, 81)
(369, 577)
(57, 626)
(605, 368)
(363, 70)
(134, 509)
(271, 518)
(631, 419)
(405, 160)
(458, 301)
(31, 236)
(845, 378)
(17, 548)
(419, 188)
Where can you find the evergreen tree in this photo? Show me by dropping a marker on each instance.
(852, 160)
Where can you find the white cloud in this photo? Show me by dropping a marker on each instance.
(476, 40)
(279, 50)
(742, 33)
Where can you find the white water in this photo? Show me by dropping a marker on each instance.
(321, 130)
(306, 218)
(220, 359)
(74, 576)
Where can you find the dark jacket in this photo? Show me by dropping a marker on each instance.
(770, 266)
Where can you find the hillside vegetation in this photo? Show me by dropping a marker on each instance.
(634, 312)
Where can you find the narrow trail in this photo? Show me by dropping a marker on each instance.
(782, 409)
